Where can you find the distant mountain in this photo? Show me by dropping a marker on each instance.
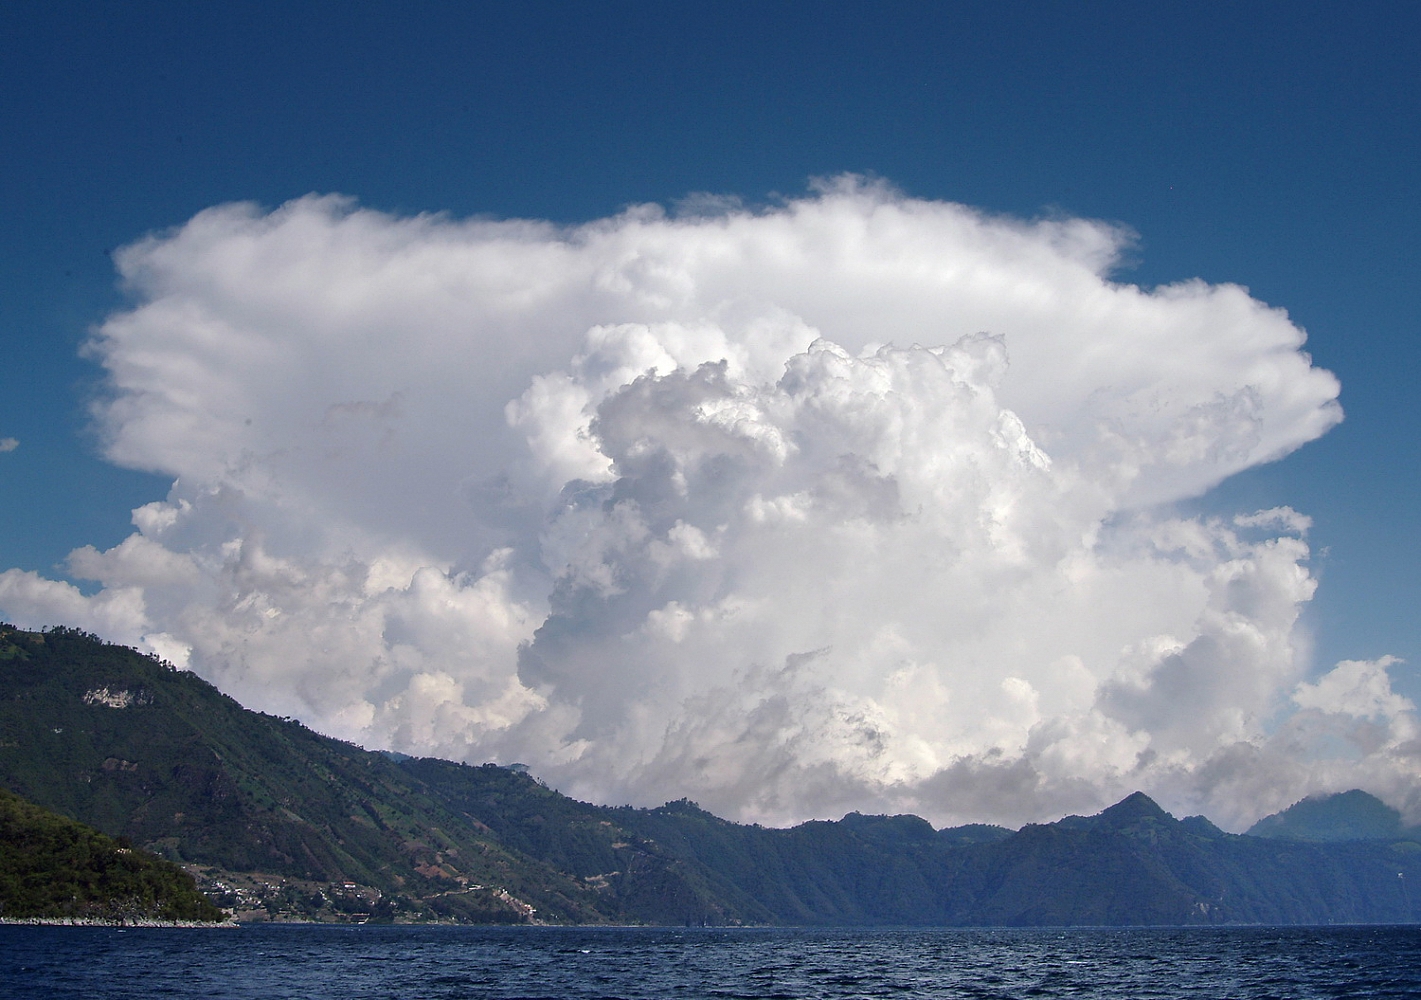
(974, 833)
(1353, 815)
(286, 823)
(1136, 864)
(54, 868)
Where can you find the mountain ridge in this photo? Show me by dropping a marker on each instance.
(1342, 816)
(129, 745)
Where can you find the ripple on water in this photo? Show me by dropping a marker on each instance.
(445, 963)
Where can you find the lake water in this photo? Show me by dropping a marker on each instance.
(415, 963)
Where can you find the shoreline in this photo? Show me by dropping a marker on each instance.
(100, 922)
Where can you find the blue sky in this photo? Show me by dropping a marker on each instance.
(1272, 145)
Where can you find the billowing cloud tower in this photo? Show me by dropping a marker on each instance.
(856, 502)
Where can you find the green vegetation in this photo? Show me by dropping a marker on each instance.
(1353, 815)
(52, 867)
(287, 824)
(135, 748)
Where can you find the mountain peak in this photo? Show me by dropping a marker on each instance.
(1131, 809)
(1351, 815)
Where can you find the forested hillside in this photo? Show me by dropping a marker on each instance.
(54, 868)
(1353, 815)
(286, 823)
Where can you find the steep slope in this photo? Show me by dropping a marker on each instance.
(117, 740)
(52, 867)
(1131, 864)
(1136, 864)
(860, 870)
(614, 851)
(114, 739)
(1353, 815)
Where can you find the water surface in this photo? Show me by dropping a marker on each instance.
(435, 963)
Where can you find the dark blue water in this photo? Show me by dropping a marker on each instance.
(414, 963)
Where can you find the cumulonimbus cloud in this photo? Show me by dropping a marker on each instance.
(859, 501)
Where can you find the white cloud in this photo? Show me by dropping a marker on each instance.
(862, 501)
(8, 444)
(1359, 688)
